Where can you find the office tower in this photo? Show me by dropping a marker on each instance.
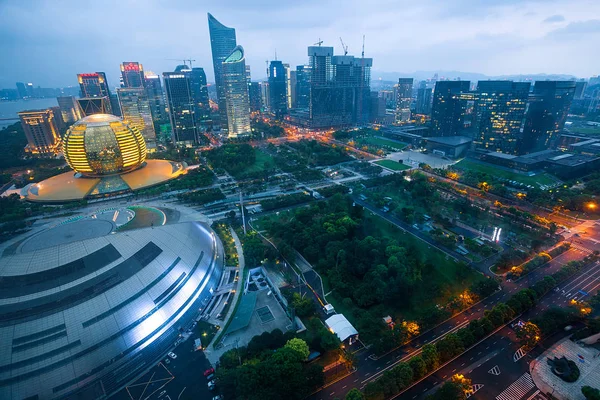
(236, 93)
(277, 89)
(423, 105)
(95, 85)
(69, 109)
(303, 77)
(339, 88)
(180, 103)
(248, 74)
(60, 123)
(135, 109)
(292, 83)
(500, 114)
(254, 96)
(594, 80)
(222, 43)
(264, 95)
(154, 93)
(448, 110)
(30, 90)
(377, 108)
(403, 100)
(21, 90)
(93, 105)
(114, 105)
(200, 97)
(548, 108)
(288, 85)
(9, 94)
(132, 74)
(43, 137)
(579, 89)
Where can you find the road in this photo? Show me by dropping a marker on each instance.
(370, 368)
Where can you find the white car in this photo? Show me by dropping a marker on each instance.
(172, 355)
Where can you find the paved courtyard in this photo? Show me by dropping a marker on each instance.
(589, 368)
(414, 158)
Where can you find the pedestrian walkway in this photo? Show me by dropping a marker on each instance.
(581, 248)
(519, 354)
(518, 389)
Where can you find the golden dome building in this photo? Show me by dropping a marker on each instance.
(108, 158)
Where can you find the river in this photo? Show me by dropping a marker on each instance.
(9, 109)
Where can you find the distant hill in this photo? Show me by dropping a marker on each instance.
(469, 76)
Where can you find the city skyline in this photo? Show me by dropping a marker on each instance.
(493, 39)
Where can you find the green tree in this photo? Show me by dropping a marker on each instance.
(418, 366)
(590, 393)
(299, 346)
(303, 305)
(355, 394)
(529, 334)
(449, 347)
(431, 357)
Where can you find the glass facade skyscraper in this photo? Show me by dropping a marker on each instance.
(154, 92)
(200, 97)
(448, 110)
(303, 77)
(423, 105)
(403, 100)
(69, 109)
(236, 93)
(182, 111)
(95, 85)
(548, 109)
(132, 74)
(500, 114)
(277, 89)
(135, 109)
(222, 43)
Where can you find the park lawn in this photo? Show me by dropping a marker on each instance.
(393, 165)
(378, 141)
(453, 277)
(539, 179)
(263, 161)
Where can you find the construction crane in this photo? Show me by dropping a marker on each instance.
(344, 47)
(319, 43)
(189, 60)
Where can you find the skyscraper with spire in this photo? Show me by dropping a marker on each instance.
(222, 43)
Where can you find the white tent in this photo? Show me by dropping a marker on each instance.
(339, 325)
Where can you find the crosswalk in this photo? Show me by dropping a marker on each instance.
(494, 371)
(474, 389)
(518, 389)
(581, 248)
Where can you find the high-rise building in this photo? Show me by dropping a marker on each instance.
(403, 100)
(339, 89)
(579, 89)
(236, 93)
(180, 103)
(303, 77)
(500, 114)
(248, 74)
(43, 137)
(546, 116)
(154, 93)
(200, 97)
(448, 110)
(292, 83)
(264, 95)
(222, 43)
(60, 123)
(135, 108)
(423, 105)
(69, 109)
(288, 85)
(132, 74)
(114, 105)
(254, 96)
(21, 90)
(30, 90)
(93, 105)
(277, 89)
(95, 85)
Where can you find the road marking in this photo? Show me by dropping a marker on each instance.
(495, 371)
(517, 389)
(344, 387)
(474, 389)
(519, 354)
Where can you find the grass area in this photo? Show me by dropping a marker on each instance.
(231, 256)
(539, 179)
(449, 277)
(378, 141)
(206, 332)
(263, 161)
(393, 165)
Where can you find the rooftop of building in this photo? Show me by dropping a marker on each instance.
(450, 140)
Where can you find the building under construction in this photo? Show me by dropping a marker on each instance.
(339, 90)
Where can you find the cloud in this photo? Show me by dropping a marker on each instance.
(576, 30)
(554, 18)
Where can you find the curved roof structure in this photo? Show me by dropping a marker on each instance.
(339, 325)
(83, 318)
(236, 55)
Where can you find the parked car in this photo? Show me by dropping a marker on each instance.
(172, 355)
(167, 361)
(209, 371)
(210, 377)
(211, 385)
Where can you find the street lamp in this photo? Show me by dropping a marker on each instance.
(592, 206)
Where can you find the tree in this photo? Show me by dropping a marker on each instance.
(299, 346)
(431, 357)
(355, 394)
(303, 305)
(449, 347)
(418, 366)
(529, 334)
(454, 389)
(590, 393)
(485, 287)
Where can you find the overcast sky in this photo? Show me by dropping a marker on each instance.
(48, 42)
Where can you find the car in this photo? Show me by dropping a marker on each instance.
(210, 377)
(162, 393)
(219, 397)
(167, 361)
(211, 385)
(172, 355)
(209, 371)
